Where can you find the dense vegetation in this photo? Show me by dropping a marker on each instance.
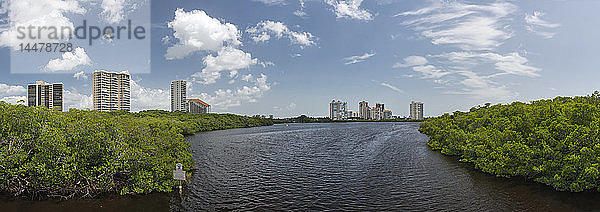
(306, 119)
(555, 142)
(45, 152)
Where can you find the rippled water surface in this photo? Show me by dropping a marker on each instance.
(340, 166)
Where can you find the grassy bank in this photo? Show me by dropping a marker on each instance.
(555, 142)
(44, 152)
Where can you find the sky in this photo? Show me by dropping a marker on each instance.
(292, 57)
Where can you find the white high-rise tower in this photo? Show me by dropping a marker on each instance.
(178, 95)
(111, 91)
(416, 110)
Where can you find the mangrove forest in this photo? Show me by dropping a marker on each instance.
(555, 142)
(48, 153)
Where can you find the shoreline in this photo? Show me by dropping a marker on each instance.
(348, 122)
(552, 142)
(307, 119)
(80, 153)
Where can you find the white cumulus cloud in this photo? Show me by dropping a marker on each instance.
(263, 31)
(69, 61)
(38, 13)
(13, 94)
(11, 90)
(80, 75)
(349, 9)
(113, 10)
(196, 31)
(227, 59)
(143, 98)
(74, 99)
(247, 77)
(14, 100)
(226, 98)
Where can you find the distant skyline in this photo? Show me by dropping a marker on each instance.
(292, 57)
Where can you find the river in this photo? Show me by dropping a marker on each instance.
(338, 166)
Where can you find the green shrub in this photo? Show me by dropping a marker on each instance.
(81, 153)
(555, 142)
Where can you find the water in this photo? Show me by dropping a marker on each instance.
(340, 166)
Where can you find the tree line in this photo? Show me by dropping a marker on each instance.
(48, 153)
(555, 142)
(307, 119)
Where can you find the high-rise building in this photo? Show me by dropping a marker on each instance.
(376, 113)
(416, 110)
(350, 114)
(47, 95)
(178, 96)
(111, 91)
(387, 114)
(337, 110)
(197, 106)
(363, 110)
(380, 106)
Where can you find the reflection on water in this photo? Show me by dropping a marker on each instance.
(350, 166)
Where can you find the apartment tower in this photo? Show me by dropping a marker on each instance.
(380, 106)
(111, 91)
(47, 95)
(387, 114)
(416, 110)
(376, 113)
(363, 110)
(337, 110)
(197, 106)
(178, 96)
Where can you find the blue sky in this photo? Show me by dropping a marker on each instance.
(290, 57)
